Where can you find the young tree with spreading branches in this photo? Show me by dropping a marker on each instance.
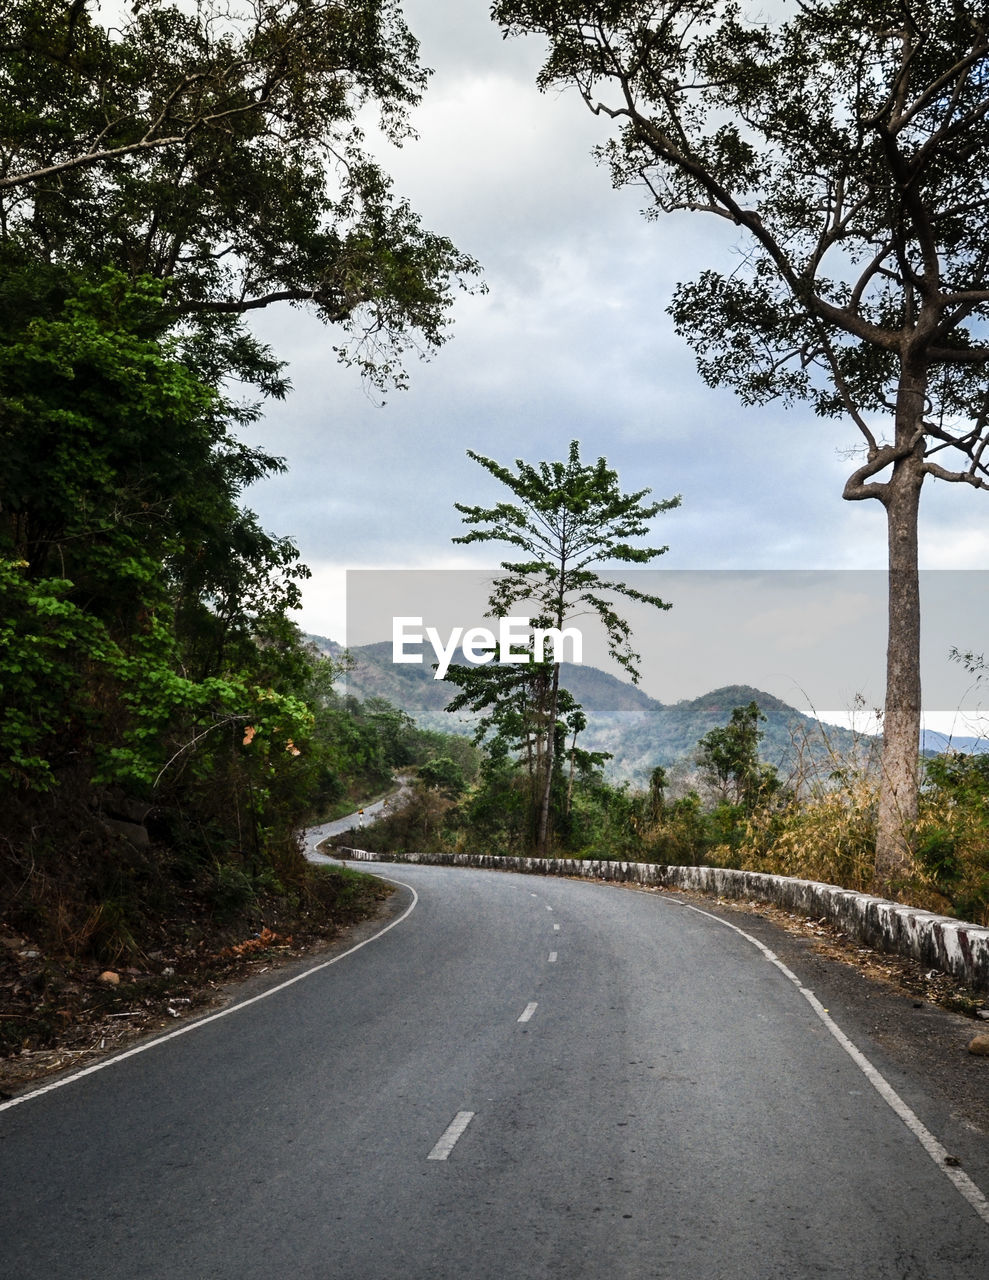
(567, 518)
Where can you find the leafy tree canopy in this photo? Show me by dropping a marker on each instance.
(119, 516)
(567, 517)
(850, 138)
(219, 147)
(729, 756)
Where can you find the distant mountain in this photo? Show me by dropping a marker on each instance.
(933, 743)
(670, 733)
(639, 732)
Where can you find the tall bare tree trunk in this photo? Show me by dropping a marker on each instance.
(898, 797)
(573, 755)
(542, 840)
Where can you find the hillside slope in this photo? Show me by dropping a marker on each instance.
(639, 731)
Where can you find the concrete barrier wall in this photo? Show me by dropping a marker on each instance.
(937, 942)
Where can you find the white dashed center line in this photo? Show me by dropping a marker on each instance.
(528, 1011)
(452, 1135)
(552, 957)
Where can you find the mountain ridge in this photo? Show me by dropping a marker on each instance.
(639, 731)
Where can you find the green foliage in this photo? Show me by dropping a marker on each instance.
(219, 149)
(43, 641)
(603, 822)
(356, 746)
(511, 702)
(738, 787)
(497, 816)
(679, 835)
(444, 775)
(146, 664)
(953, 832)
(233, 889)
(729, 757)
(119, 461)
(162, 727)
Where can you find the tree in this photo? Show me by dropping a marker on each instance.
(151, 685)
(567, 517)
(219, 147)
(850, 143)
(158, 181)
(658, 783)
(511, 701)
(729, 756)
(121, 482)
(443, 775)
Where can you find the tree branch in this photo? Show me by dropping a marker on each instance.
(955, 477)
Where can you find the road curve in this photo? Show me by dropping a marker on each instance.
(524, 1078)
(314, 836)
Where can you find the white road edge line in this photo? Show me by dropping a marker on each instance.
(214, 1017)
(938, 1153)
(528, 1011)
(452, 1135)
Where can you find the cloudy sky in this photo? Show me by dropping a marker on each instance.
(571, 341)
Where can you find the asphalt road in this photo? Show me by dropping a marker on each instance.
(521, 1078)
(314, 836)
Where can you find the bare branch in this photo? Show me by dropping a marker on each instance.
(955, 477)
(88, 158)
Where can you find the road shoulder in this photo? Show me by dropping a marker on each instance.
(187, 997)
(889, 1007)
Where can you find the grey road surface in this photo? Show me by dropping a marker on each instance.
(316, 835)
(523, 1078)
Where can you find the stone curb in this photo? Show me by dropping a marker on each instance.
(937, 942)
